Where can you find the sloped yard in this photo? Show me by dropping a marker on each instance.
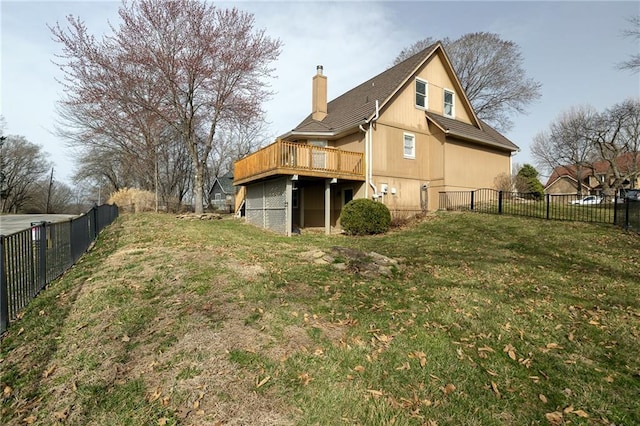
(459, 319)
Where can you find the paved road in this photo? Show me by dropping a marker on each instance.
(17, 222)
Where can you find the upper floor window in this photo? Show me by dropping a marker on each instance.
(421, 93)
(409, 146)
(449, 104)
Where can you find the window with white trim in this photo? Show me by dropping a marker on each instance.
(409, 146)
(421, 94)
(449, 104)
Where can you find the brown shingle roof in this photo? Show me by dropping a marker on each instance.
(358, 104)
(624, 163)
(487, 135)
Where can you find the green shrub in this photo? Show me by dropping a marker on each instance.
(363, 217)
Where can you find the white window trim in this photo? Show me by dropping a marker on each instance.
(426, 93)
(353, 194)
(411, 156)
(453, 104)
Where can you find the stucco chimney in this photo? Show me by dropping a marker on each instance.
(319, 95)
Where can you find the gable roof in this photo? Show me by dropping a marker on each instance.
(358, 105)
(624, 163)
(487, 135)
(226, 183)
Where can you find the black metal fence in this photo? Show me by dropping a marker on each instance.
(31, 259)
(550, 207)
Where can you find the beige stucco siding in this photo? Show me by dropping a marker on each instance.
(472, 166)
(562, 186)
(388, 152)
(353, 142)
(402, 110)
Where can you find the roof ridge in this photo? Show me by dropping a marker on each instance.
(390, 69)
(358, 103)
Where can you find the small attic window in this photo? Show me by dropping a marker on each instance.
(421, 93)
(449, 106)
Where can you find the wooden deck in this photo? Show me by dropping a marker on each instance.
(290, 158)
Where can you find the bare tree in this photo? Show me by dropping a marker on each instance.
(616, 137)
(491, 73)
(568, 142)
(236, 141)
(504, 182)
(23, 165)
(633, 63)
(50, 196)
(187, 64)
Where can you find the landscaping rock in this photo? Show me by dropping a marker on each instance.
(347, 259)
(203, 216)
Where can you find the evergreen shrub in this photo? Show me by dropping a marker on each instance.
(363, 216)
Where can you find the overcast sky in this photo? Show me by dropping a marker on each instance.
(572, 48)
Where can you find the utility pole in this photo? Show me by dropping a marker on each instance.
(2, 175)
(48, 208)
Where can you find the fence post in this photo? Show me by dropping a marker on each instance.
(42, 249)
(547, 198)
(4, 292)
(500, 202)
(96, 229)
(615, 209)
(472, 194)
(626, 216)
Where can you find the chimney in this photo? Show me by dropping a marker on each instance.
(319, 95)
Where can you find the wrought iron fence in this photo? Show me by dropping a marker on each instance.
(551, 207)
(33, 258)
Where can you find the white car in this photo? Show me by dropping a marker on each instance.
(591, 199)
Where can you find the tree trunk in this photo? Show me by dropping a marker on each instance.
(198, 186)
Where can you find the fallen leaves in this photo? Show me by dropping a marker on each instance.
(510, 350)
(404, 366)
(421, 356)
(30, 419)
(49, 371)
(375, 393)
(262, 382)
(554, 418)
(305, 378)
(61, 415)
(484, 351)
(448, 388)
(558, 417)
(494, 388)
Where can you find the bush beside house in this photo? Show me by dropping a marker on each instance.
(363, 216)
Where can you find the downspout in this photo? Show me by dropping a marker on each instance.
(370, 151)
(366, 160)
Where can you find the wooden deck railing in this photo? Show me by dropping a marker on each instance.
(291, 158)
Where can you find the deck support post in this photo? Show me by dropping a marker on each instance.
(288, 205)
(327, 206)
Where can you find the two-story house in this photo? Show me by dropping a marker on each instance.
(222, 193)
(399, 138)
(596, 178)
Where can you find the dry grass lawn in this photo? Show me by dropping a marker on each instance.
(169, 321)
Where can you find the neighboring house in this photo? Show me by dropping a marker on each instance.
(594, 177)
(399, 138)
(222, 193)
